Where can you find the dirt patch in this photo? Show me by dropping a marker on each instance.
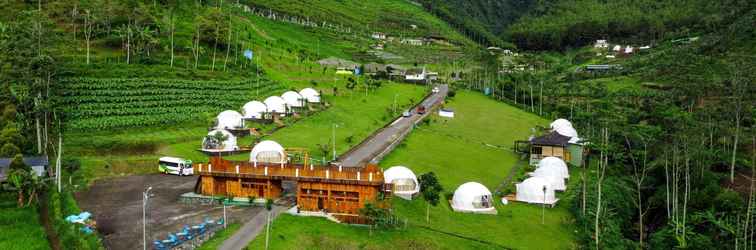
(117, 207)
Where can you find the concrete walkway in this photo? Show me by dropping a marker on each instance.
(251, 229)
(383, 141)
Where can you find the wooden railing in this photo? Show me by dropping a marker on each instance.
(371, 174)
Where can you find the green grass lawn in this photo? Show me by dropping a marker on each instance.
(20, 227)
(473, 146)
(217, 240)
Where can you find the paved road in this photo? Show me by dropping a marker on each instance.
(250, 230)
(386, 137)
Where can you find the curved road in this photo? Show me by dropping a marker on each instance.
(375, 147)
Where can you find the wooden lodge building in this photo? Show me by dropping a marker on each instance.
(556, 145)
(335, 190)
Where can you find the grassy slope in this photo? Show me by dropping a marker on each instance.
(454, 149)
(20, 227)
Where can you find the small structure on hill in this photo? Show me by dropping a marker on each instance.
(473, 197)
(38, 165)
(229, 119)
(416, 75)
(536, 190)
(561, 142)
(413, 42)
(378, 35)
(311, 95)
(267, 152)
(446, 112)
(219, 140)
(375, 70)
(404, 181)
(254, 110)
(276, 105)
(293, 99)
(333, 62)
(601, 44)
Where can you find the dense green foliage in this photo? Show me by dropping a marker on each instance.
(574, 23)
(20, 226)
(61, 205)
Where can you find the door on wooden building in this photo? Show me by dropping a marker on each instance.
(320, 203)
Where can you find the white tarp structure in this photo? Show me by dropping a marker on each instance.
(554, 166)
(276, 104)
(268, 152)
(311, 95)
(473, 197)
(254, 110)
(293, 99)
(404, 180)
(229, 119)
(565, 128)
(446, 113)
(536, 190)
(211, 142)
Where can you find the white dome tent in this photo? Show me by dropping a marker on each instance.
(404, 180)
(276, 104)
(229, 119)
(532, 191)
(556, 182)
(558, 123)
(210, 143)
(567, 131)
(268, 152)
(293, 99)
(254, 110)
(311, 95)
(473, 197)
(553, 166)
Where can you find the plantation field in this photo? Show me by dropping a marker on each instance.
(473, 146)
(102, 104)
(20, 228)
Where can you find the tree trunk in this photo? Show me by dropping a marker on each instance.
(735, 146)
(173, 31)
(20, 197)
(427, 213)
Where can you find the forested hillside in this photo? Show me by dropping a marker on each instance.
(482, 21)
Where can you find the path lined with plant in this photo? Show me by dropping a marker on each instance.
(251, 229)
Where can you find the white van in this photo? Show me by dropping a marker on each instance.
(177, 166)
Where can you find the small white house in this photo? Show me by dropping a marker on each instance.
(229, 119)
(254, 110)
(404, 180)
(276, 104)
(416, 75)
(413, 42)
(629, 49)
(268, 152)
(293, 99)
(617, 48)
(473, 197)
(311, 95)
(601, 44)
(378, 35)
(212, 144)
(536, 190)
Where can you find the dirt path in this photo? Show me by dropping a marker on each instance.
(44, 218)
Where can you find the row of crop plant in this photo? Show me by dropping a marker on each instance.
(96, 103)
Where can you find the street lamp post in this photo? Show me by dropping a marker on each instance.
(543, 207)
(145, 197)
(395, 95)
(334, 126)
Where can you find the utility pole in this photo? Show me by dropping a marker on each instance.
(543, 207)
(145, 197)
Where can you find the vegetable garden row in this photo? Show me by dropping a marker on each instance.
(93, 103)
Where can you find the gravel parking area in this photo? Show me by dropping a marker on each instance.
(116, 205)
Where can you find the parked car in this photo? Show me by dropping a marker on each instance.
(436, 90)
(421, 109)
(406, 114)
(177, 166)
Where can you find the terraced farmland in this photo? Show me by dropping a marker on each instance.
(93, 103)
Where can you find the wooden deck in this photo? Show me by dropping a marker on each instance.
(370, 175)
